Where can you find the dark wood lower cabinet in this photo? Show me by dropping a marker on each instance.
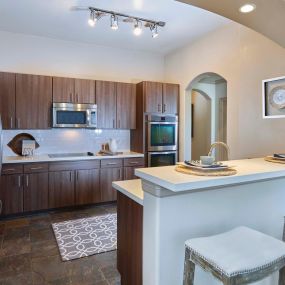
(35, 191)
(87, 187)
(130, 243)
(107, 176)
(11, 194)
(129, 173)
(61, 189)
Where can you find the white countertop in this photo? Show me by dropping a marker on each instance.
(46, 158)
(248, 170)
(130, 188)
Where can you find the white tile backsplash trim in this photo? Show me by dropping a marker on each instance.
(70, 140)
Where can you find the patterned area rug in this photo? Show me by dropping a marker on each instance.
(85, 237)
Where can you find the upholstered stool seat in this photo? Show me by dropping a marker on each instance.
(240, 256)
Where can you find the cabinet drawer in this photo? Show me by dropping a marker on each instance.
(113, 162)
(74, 165)
(36, 167)
(134, 161)
(12, 169)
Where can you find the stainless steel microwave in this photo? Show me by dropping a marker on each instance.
(68, 115)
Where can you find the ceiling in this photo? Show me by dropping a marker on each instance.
(268, 18)
(56, 19)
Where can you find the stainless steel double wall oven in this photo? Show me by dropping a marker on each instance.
(161, 139)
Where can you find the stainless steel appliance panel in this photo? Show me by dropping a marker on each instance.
(162, 158)
(68, 115)
(162, 133)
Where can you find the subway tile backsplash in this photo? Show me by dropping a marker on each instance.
(70, 140)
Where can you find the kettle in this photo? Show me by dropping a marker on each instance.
(113, 145)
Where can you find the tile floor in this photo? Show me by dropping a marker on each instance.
(29, 254)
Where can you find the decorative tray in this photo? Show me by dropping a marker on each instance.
(198, 166)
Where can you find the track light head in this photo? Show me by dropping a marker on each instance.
(114, 22)
(154, 31)
(137, 28)
(92, 19)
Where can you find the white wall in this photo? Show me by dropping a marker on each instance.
(37, 55)
(244, 58)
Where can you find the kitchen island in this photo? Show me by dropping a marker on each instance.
(178, 206)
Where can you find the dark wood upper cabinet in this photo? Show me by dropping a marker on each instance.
(87, 189)
(63, 90)
(33, 101)
(107, 176)
(11, 194)
(35, 191)
(7, 99)
(126, 105)
(84, 91)
(170, 98)
(106, 104)
(153, 97)
(61, 189)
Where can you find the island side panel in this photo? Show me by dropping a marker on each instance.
(169, 221)
(130, 226)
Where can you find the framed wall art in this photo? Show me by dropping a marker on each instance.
(273, 98)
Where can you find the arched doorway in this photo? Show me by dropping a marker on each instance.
(207, 114)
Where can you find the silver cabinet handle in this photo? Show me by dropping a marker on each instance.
(36, 168)
(27, 180)
(114, 123)
(19, 181)
(164, 108)
(11, 122)
(112, 163)
(77, 175)
(133, 162)
(9, 169)
(159, 108)
(119, 124)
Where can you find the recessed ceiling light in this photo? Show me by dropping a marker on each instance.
(247, 8)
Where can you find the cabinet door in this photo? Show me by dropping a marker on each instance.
(61, 189)
(107, 176)
(106, 104)
(84, 91)
(35, 191)
(7, 99)
(63, 90)
(11, 194)
(129, 172)
(126, 106)
(170, 98)
(87, 187)
(33, 101)
(153, 97)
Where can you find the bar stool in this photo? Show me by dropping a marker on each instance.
(240, 256)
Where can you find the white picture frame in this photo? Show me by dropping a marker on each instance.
(265, 108)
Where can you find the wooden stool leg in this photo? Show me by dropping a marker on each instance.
(282, 276)
(189, 269)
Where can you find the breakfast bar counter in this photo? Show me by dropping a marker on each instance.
(177, 207)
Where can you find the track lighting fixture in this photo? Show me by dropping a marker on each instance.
(138, 28)
(114, 22)
(138, 23)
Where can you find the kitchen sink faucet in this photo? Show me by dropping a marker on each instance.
(216, 144)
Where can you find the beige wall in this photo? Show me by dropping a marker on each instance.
(201, 140)
(244, 58)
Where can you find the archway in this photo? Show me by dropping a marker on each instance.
(206, 115)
